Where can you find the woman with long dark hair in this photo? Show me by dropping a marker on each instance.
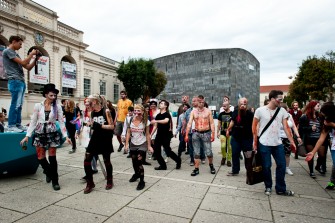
(328, 120)
(310, 129)
(138, 141)
(46, 137)
(72, 115)
(101, 141)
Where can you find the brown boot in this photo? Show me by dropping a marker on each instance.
(89, 187)
(228, 163)
(110, 183)
(223, 161)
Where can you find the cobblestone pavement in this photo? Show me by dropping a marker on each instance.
(169, 196)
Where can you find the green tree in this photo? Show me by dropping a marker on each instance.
(140, 78)
(314, 79)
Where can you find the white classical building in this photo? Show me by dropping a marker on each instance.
(75, 71)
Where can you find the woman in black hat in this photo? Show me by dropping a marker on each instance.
(46, 137)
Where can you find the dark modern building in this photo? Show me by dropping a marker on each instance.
(213, 73)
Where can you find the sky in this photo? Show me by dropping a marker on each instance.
(280, 34)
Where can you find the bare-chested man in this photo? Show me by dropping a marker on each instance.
(203, 135)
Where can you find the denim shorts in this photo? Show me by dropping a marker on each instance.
(202, 140)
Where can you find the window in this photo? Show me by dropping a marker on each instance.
(176, 66)
(67, 91)
(212, 80)
(212, 59)
(116, 92)
(166, 67)
(102, 87)
(87, 87)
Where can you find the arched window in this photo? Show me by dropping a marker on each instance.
(3, 78)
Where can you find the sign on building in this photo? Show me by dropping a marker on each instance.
(69, 73)
(2, 69)
(42, 76)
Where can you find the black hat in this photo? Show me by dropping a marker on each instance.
(49, 88)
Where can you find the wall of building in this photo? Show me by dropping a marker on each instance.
(213, 73)
(60, 42)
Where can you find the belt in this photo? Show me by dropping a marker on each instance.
(202, 131)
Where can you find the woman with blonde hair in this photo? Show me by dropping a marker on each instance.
(138, 141)
(71, 116)
(101, 141)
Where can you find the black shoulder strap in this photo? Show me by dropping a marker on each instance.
(128, 123)
(269, 123)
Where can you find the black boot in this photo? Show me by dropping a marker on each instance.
(54, 173)
(46, 169)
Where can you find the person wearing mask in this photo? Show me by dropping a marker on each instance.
(138, 141)
(101, 141)
(163, 125)
(72, 115)
(46, 136)
(310, 129)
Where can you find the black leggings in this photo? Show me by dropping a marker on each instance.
(71, 130)
(88, 167)
(137, 159)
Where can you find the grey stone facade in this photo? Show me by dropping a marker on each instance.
(212, 73)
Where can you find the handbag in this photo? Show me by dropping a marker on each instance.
(302, 150)
(253, 162)
(254, 168)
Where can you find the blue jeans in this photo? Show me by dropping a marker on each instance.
(190, 147)
(332, 176)
(238, 146)
(17, 89)
(278, 154)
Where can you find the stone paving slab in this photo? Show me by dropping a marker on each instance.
(239, 193)
(56, 214)
(7, 216)
(97, 202)
(188, 189)
(217, 217)
(234, 205)
(170, 203)
(28, 200)
(15, 183)
(323, 208)
(281, 217)
(142, 216)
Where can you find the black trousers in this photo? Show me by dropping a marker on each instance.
(165, 142)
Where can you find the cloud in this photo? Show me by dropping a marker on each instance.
(279, 33)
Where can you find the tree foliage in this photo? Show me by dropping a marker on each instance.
(140, 79)
(314, 79)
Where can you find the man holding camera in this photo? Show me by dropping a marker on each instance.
(16, 84)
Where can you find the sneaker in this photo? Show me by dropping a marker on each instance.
(288, 171)
(268, 191)
(140, 185)
(330, 186)
(14, 129)
(286, 193)
(203, 161)
(191, 163)
(231, 173)
(229, 163)
(22, 127)
(195, 172)
(312, 175)
(72, 151)
(320, 170)
(212, 169)
(160, 168)
(120, 147)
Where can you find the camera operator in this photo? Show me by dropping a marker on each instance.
(16, 84)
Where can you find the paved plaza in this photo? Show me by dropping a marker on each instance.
(169, 196)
